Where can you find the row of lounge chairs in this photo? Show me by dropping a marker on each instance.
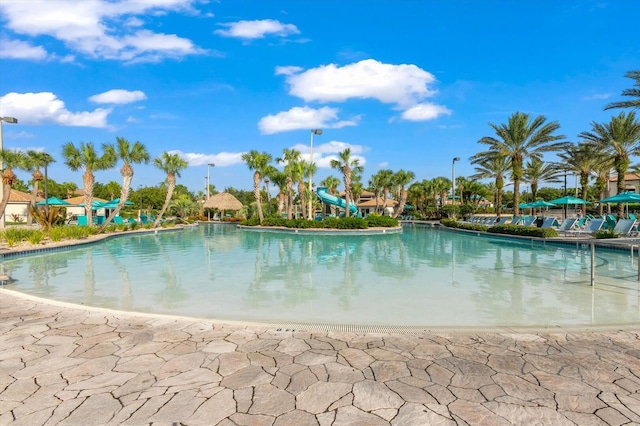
(585, 226)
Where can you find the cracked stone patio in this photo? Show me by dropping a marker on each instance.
(62, 365)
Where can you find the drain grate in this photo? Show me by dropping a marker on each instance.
(350, 328)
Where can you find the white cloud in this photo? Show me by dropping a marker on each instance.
(222, 159)
(325, 162)
(118, 96)
(394, 84)
(425, 111)
(287, 70)
(101, 28)
(45, 107)
(16, 49)
(298, 118)
(597, 97)
(250, 30)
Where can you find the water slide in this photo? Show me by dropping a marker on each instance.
(325, 197)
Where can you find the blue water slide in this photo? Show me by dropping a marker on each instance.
(325, 197)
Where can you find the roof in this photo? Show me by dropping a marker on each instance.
(16, 196)
(80, 200)
(372, 203)
(627, 177)
(223, 201)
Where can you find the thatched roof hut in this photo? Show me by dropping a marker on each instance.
(223, 201)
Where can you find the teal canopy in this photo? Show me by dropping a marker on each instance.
(568, 199)
(53, 201)
(625, 197)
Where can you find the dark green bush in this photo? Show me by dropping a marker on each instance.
(381, 221)
(525, 231)
(253, 221)
(605, 234)
(449, 223)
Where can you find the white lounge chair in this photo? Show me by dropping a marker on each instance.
(567, 225)
(624, 227)
(594, 226)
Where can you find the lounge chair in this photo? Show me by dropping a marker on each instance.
(594, 226)
(528, 221)
(548, 222)
(118, 220)
(567, 225)
(490, 221)
(610, 222)
(501, 221)
(624, 227)
(516, 220)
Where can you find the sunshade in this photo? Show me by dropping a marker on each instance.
(53, 201)
(114, 203)
(524, 206)
(625, 197)
(541, 203)
(569, 199)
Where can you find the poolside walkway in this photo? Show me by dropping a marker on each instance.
(71, 366)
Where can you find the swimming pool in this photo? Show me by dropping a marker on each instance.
(424, 276)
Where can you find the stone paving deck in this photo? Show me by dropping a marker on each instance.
(63, 365)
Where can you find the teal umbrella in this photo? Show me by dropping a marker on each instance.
(541, 203)
(53, 201)
(625, 197)
(568, 199)
(114, 203)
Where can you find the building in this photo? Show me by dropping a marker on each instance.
(17, 207)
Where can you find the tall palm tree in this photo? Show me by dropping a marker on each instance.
(402, 178)
(537, 171)
(279, 179)
(85, 157)
(172, 165)
(634, 93)
(582, 159)
(33, 162)
(12, 160)
(441, 186)
(331, 183)
(289, 158)
(386, 180)
(492, 166)
(129, 153)
(621, 139)
(376, 185)
(258, 162)
(347, 165)
(520, 139)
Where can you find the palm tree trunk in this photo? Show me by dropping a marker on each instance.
(88, 182)
(301, 193)
(403, 201)
(127, 177)
(347, 184)
(171, 186)
(34, 197)
(256, 194)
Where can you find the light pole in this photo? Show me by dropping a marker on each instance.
(313, 132)
(140, 210)
(209, 178)
(565, 192)
(453, 179)
(10, 120)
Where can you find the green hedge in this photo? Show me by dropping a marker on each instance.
(525, 231)
(326, 223)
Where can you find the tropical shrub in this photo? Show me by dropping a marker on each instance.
(57, 233)
(605, 234)
(525, 231)
(36, 236)
(376, 220)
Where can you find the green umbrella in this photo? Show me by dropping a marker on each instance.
(625, 197)
(53, 201)
(568, 199)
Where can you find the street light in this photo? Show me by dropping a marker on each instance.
(313, 132)
(209, 178)
(453, 179)
(10, 120)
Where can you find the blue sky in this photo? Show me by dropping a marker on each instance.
(405, 84)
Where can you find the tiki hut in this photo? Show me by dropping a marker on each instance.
(223, 201)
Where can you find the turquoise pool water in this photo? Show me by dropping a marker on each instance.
(422, 277)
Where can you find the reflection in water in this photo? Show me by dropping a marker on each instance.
(420, 277)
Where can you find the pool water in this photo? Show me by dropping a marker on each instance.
(422, 277)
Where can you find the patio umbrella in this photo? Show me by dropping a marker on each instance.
(568, 199)
(114, 203)
(53, 201)
(541, 203)
(625, 197)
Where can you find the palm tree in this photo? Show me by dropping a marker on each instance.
(602, 171)
(441, 186)
(289, 158)
(128, 153)
(520, 139)
(33, 162)
(331, 183)
(347, 165)
(376, 185)
(582, 159)
(402, 178)
(12, 160)
(621, 139)
(385, 176)
(258, 162)
(85, 157)
(537, 171)
(172, 165)
(633, 93)
(279, 179)
(492, 166)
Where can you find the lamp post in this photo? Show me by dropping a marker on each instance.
(140, 209)
(10, 120)
(209, 178)
(313, 132)
(453, 179)
(565, 192)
